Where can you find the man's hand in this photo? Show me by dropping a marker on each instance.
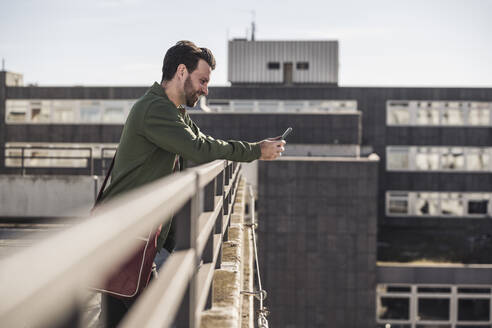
(271, 149)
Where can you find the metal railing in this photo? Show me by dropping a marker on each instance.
(40, 159)
(45, 285)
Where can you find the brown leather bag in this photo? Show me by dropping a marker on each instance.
(131, 277)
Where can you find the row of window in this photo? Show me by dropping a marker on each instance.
(68, 111)
(443, 306)
(299, 65)
(439, 113)
(68, 155)
(273, 106)
(442, 158)
(438, 204)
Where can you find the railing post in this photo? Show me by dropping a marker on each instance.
(22, 162)
(209, 201)
(186, 235)
(92, 161)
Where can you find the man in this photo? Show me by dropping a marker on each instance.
(158, 131)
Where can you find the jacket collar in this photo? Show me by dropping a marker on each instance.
(157, 89)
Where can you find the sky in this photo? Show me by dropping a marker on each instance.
(424, 43)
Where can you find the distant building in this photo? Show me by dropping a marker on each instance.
(283, 62)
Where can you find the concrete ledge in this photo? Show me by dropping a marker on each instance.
(229, 307)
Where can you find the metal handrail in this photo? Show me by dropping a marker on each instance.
(46, 280)
(24, 158)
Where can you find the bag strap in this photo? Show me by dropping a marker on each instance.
(99, 195)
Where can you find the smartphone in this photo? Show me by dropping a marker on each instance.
(286, 133)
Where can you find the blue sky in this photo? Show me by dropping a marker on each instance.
(122, 42)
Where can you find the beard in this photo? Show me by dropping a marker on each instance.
(191, 96)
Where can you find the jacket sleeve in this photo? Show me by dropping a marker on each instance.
(165, 127)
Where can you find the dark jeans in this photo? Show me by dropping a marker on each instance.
(114, 309)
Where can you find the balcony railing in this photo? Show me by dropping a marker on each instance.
(46, 285)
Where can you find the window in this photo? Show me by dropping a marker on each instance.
(437, 306)
(453, 158)
(302, 65)
(433, 309)
(460, 159)
(479, 114)
(478, 159)
(398, 203)
(67, 111)
(90, 111)
(427, 158)
(470, 309)
(273, 65)
(394, 308)
(453, 114)
(427, 203)
(397, 158)
(452, 204)
(16, 111)
(438, 204)
(438, 113)
(427, 115)
(398, 116)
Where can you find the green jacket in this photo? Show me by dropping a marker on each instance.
(154, 133)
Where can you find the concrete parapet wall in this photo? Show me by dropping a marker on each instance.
(46, 196)
(229, 307)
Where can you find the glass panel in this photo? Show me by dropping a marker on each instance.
(470, 309)
(63, 111)
(394, 308)
(477, 159)
(397, 159)
(40, 111)
(90, 111)
(434, 290)
(473, 326)
(393, 325)
(427, 204)
(398, 289)
(474, 290)
(478, 206)
(427, 116)
(293, 106)
(16, 110)
(433, 309)
(453, 116)
(397, 116)
(453, 158)
(478, 116)
(452, 204)
(398, 206)
(114, 115)
(427, 158)
(242, 105)
(433, 326)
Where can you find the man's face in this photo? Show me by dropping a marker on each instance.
(196, 84)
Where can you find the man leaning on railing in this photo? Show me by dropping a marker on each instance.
(159, 133)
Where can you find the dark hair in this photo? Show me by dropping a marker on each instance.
(187, 53)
